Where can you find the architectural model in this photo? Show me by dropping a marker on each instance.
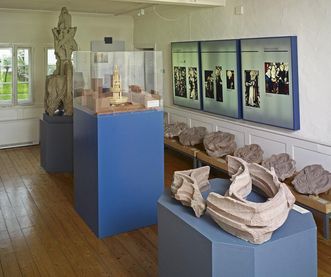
(58, 96)
(313, 179)
(247, 220)
(187, 186)
(283, 165)
(174, 130)
(116, 90)
(192, 136)
(219, 144)
(252, 153)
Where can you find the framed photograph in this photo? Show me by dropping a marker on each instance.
(180, 81)
(220, 77)
(270, 81)
(186, 79)
(252, 94)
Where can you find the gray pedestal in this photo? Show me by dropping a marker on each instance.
(56, 143)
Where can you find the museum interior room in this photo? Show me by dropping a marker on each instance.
(165, 138)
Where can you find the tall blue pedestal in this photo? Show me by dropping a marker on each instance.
(190, 246)
(56, 143)
(118, 169)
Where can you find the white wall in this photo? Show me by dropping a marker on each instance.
(33, 28)
(309, 20)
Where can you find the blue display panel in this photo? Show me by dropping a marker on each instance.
(186, 74)
(269, 72)
(221, 86)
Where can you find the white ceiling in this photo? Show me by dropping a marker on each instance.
(101, 6)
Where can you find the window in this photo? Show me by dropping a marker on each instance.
(15, 75)
(51, 61)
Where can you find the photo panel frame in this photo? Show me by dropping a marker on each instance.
(270, 90)
(186, 74)
(221, 84)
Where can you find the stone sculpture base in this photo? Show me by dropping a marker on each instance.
(190, 246)
(56, 140)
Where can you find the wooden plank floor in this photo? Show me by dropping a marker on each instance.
(42, 235)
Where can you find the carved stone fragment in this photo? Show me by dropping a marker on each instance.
(192, 136)
(174, 130)
(312, 179)
(247, 220)
(283, 165)
(250, 153)
(219, 144)
(187, 186)
(58, 95)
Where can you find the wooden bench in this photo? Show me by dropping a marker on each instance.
(188, 151)
(320, 205)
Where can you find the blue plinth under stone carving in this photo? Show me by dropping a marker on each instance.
(190, 246)
(56, 153)
(118, 168)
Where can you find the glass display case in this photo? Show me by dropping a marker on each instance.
(111, 82)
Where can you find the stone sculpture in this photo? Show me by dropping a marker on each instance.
(187, 186)
(247, 220)
(250, 153)
(192, 136)
(58, 97)
(174, 130)
(312, 179)
(219, 144)
(283, 165)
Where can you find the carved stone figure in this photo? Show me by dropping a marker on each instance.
(174, 130)
(247, 220)
(250, 153)
(58, 96)
(219, 144)
(312, 179)
(187, 186)
(192, 136)
(283, 165)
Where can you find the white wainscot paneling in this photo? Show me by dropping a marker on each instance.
(19, 132)
(239, 136)
(306, 157)
(199, 123)
(268, 145)
(174, 118)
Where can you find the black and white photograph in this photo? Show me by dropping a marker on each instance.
(100, 57)
(276, 78)
(230, 79)
(180, 81)
(252, 95)
(209, 84)
(219, 84)
(193, 83)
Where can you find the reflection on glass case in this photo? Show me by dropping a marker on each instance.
(220, 85)
(186, 75)
(110, 82)
(269, 68)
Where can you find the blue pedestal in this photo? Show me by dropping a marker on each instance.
(56, 153)
(190, 246)
(118, 168)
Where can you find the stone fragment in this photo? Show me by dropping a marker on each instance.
(248, 220)
(174, 130)
(192, 136)
(313, 179)
(283, 165)
(219, 144)
(251, 153)
(187, 186)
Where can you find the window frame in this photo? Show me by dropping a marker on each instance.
(14, 99)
